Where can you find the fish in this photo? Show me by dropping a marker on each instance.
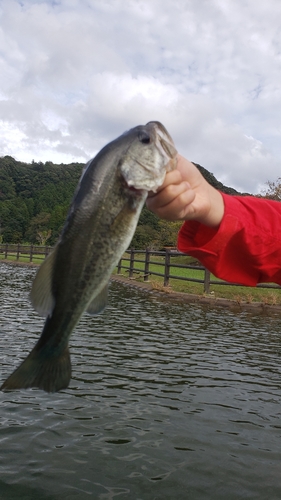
(99, 227)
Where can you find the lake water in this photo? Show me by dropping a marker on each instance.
(167, 402)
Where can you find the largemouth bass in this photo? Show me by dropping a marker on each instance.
(99, 227)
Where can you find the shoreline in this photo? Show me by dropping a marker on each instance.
(182, 297)
(207, 300)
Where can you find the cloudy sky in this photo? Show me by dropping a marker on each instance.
(75, 74)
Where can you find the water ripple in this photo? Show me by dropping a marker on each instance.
(166, 401)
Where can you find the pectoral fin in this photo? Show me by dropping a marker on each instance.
(99, 302)
(41, 295)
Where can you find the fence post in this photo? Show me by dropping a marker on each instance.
(31, 253)
(18, 251)
(167, 267)
(119, 265)
(132, 261)
(146, 264)
(6, 251)
(207, 281)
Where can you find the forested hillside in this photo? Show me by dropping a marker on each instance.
(35, 197)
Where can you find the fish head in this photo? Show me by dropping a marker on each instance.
(150, 155)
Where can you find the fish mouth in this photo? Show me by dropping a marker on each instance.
(164, 143)
(132, 188)
(136, 191)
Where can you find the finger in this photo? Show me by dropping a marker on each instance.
(166, 195)
(179, 207)
(173, 177)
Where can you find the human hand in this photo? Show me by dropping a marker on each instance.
(186, 195)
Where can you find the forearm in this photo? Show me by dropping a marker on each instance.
(245, 248)
(213, 212)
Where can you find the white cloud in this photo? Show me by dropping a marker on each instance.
(77, 73)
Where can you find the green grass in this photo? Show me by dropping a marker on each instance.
(12, 257)
(237, 293)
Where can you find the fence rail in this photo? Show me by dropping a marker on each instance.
(144, 263)
(145, 267)
(27, 253)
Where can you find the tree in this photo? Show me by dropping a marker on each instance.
(43, 236)
(14, 220)
(144, 237)
(38, 230)
(34, 199)
(168, 234)
(273, 191)
(57, 220)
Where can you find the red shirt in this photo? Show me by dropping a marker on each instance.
(245, 248)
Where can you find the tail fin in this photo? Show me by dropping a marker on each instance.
(42, 370)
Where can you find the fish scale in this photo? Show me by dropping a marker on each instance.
(99, 227)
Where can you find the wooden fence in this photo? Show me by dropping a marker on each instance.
(134, 261)
(25, 253)
(142, 263)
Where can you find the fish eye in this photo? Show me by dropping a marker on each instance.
(144, 138)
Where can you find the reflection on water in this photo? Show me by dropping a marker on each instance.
(167, 401)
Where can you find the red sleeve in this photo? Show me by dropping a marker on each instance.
(246, 248)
